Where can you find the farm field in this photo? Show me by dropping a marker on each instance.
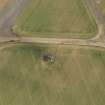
(77, 77)
(56, 18)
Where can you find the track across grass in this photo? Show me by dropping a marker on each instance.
(77, 77)
(56, 18)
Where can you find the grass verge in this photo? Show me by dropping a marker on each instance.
(59, 19)
(77, 77)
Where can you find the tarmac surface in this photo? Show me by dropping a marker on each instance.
(8, 16)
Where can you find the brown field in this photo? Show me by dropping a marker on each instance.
(3, 3)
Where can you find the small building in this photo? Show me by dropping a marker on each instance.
(48, 57)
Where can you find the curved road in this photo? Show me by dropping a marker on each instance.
(8, 16)
(12, 10)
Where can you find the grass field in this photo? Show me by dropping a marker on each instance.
(56, 18)
(77, 77)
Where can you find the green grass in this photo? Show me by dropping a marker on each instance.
(56, 18)
(77, 77)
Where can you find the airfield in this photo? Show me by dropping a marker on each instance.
(77, 75)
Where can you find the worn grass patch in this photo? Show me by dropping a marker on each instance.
(77, 77)
(101, 5)
(3, 3)
(57, 18)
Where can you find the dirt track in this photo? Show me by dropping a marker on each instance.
(100, 19)
(9, 14)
